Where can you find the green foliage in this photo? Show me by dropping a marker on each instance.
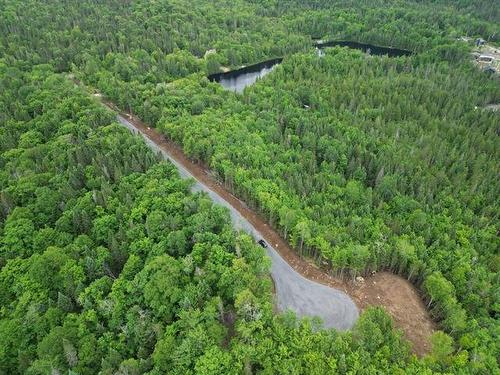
(108, 264)
(104, 295)
(372, 176)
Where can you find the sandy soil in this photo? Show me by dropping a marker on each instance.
(400, 299)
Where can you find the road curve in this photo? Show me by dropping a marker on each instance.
(293, 291)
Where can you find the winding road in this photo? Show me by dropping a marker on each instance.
(305, 297)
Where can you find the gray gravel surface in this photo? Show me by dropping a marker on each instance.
(293, 291)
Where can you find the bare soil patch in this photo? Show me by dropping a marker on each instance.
(402, 301)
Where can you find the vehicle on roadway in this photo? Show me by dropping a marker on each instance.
(262, 243)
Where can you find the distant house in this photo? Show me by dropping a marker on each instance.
(485, 58)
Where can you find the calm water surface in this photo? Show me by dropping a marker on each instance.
(237, 80)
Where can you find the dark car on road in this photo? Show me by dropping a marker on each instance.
(262, 243)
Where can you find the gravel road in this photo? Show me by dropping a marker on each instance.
(293, 291)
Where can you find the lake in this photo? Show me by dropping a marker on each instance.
(367, 48)
(236, 80)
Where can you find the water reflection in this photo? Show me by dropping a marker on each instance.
(237, 80)
(367, 48)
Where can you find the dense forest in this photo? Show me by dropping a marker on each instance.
(108, 263)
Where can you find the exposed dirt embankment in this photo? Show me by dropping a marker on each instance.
(401, 300)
